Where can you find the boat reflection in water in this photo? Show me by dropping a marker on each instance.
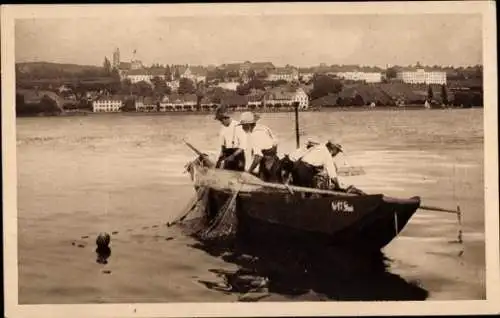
(305, 272)
(103, 253)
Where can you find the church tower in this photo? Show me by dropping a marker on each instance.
(116, 58)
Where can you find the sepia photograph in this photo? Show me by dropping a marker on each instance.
(285, 155)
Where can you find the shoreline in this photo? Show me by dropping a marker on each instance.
(323, 109)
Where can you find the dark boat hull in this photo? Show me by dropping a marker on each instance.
(367, 222)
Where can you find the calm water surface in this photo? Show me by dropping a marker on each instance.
(123, 173)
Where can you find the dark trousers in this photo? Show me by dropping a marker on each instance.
(236, 164)
(269, 167)
(303, 174)
(306, 175)
(286, 168)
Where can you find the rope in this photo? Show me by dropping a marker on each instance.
(199, 197)
(459, 218)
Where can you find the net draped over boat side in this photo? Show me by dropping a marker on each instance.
(215, 221)
(194, 211)
(219, 207)
(225, 222)
(208, 224)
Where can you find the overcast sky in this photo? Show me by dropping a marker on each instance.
(297, 40)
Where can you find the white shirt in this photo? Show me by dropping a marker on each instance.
(317, 156)
(232, 136)
(261, 138)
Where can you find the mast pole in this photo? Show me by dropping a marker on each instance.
(297, 134)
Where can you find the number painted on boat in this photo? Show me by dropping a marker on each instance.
(342, 206)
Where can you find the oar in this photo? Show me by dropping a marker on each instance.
(199, 153)
(206, 160)
(458, 212)
(291, 188)
(435, 208)
(257, 182)
(320, 191)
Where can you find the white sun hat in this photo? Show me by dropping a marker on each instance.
(248, 118)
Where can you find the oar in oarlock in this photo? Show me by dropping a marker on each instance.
(458, 212)
(435, 208)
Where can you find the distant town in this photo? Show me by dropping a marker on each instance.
(131, 86)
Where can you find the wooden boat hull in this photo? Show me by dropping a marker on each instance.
(367, 221)
(268, 213)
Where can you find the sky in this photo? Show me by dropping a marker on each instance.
(303, 40)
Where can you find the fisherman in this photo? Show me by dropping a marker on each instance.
(287, 164)
(232, 140)
(264, 148)
(315, 166)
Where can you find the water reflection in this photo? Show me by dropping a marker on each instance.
(329, 272)
(103, 253)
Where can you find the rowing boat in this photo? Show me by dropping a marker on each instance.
(268, 212)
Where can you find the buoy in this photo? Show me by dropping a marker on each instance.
(103, 240)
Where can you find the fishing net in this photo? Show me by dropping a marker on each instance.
(209, 221)
(216, 213)
(225, 222)
(195, 209)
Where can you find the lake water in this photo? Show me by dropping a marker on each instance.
(123, 173)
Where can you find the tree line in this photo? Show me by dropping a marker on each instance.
(45, 105)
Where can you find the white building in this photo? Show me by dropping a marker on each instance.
(228, 85)
(301, 97)
(285, 74)
(196, 76)
(146, 75)
(176, 102)
(136, 76)
(174, 85)
(369, 77)
(278, 97)
(421, 76)
(306, 77)
(107, 104)
(146, 104)
(139, 105)
(136, 65)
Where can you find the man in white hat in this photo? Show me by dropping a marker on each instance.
(264, 148)
(232, 140)
(315, 167)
